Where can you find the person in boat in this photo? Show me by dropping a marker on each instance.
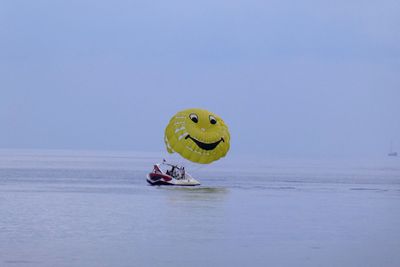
(175, 172)
(172, 172)
(183, 172)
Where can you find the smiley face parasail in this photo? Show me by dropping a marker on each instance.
(197, 135)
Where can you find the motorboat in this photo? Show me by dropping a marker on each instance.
(170, 174)
(392, 153)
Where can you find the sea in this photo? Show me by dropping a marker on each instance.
(95, 208)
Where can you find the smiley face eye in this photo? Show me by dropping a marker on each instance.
(194, 118)
(212, 119)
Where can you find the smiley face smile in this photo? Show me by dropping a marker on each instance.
(205, 146)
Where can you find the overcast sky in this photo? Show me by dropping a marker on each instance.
(290, 78)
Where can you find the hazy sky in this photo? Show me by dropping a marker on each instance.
(290, 78)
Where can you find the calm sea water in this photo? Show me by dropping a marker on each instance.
(66, 208)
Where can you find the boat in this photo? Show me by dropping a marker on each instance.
(170, 174)
(392, 153)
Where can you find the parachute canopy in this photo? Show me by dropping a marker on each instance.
(197, 135)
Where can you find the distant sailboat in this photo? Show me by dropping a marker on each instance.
(392, 153)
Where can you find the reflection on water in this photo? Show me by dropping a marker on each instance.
(194, 194)
(197, 189)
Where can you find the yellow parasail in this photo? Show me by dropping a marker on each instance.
(197, 135)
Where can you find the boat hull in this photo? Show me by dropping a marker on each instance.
(162, 179)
